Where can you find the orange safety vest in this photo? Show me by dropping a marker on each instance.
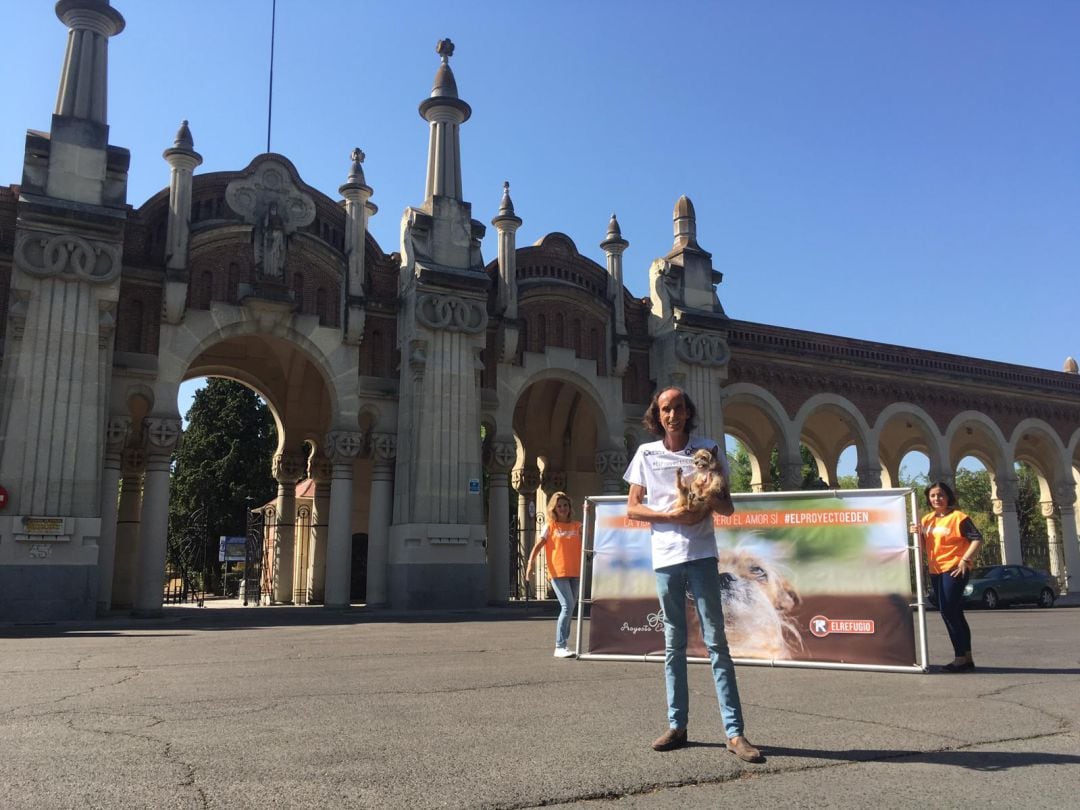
(945, 545)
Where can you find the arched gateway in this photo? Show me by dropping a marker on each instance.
(398, 379)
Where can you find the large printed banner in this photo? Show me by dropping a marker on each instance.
(805, 577)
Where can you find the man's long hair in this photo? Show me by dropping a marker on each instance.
(651, 420)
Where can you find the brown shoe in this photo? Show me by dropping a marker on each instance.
(742, 748)
(670, 740)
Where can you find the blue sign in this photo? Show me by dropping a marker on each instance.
(232, 549)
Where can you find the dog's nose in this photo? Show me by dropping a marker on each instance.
(726, 579)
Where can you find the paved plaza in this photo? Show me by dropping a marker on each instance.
(263, 707)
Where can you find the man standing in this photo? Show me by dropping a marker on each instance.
(684, 560)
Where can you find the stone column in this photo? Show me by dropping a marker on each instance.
(499, 457)
(162, 434)
(526, 480)
(1053, 540)
(869, 477)
(383, 449)
(1065, 500)
(610, 466)
(288, 467)
(506, 304)
(129, 511)
(791, 476)
(115, 435)
(182, 159)
(1008, 524)
(320, 470)
(614, 246)
(357, 209)
(943, 475)
(341, 447)
(445, 113)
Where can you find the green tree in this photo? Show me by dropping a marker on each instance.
(742, 475)
(222, 465)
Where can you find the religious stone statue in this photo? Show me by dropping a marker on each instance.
(271, 244)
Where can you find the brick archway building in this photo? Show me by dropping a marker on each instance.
(389, 364)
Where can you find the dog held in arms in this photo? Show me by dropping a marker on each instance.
(701, 491)
(758, 601)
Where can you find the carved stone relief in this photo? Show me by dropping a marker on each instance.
(43, 255)
(268, 200)
(451, 313)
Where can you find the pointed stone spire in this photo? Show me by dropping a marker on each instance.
(506, 206)
(613, 246)
(356, 171)
(183, 159)
(685, 222)
(685, 278)
(183, 138)
(1070, 366)
(445, 112)
(506, 224)
(358, 209)
(444, 86)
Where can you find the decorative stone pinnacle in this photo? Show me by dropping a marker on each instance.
(506, 207)
(445, 49)
(183, 137)
(356, 171)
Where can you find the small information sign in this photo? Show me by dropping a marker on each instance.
(232, 549)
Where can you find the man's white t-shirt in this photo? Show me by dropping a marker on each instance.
(653, 467)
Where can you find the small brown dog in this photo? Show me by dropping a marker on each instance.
(706, 487)
(758, 601)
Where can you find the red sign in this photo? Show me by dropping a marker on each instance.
(3, 497)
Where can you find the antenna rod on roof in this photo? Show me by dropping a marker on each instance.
(270, 99)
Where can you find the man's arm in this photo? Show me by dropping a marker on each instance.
(636, 510)
(723, 505)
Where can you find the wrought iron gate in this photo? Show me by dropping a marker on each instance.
(257, 587)
(521, 543)
(186, 571)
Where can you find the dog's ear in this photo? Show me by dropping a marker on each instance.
(786, 596)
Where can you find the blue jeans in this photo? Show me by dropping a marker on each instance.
(566, 588)
(702, 580)
(949, 592)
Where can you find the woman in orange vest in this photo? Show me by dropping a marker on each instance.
(950, 540)
(561, 540)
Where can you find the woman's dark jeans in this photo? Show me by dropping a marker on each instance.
(949, 593)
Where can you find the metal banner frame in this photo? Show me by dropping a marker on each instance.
(914, 558)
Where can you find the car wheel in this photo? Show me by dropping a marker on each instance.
(1046, 598)
(990, 599)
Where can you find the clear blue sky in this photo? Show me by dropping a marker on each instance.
(900, 172)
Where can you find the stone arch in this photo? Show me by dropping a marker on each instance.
(181, 362)
(902, 427)
(756, 418)
(822, 436)
(973, 433)
(1037, 444)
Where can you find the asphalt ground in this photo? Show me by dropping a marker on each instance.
(299, 707)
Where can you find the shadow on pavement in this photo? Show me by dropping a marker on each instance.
(970, 760)
(247, 618)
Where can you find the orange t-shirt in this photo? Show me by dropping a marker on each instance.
(563, 549)
(945, 542)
